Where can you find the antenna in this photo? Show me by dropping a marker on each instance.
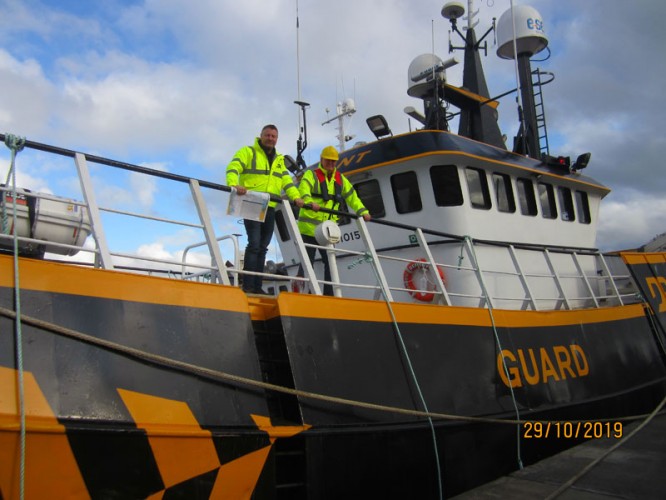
(519, 98)
(453, 10)
(478, 119)
(344, 109)
(302, 142)
(298, 59)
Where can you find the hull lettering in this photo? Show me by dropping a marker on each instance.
(532, 366)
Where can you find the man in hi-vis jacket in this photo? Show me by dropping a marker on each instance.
(325, 187)
(260, 168)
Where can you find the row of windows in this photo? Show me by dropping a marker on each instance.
(447, 191)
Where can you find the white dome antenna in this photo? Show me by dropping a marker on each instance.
(423, 70)
(348, 106)
(530, 35)
(453, 10)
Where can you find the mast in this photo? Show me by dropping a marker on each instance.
(479, 120)
(344, 109)
(520, 35)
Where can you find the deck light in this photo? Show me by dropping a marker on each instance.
(378, 126)
(581, 162)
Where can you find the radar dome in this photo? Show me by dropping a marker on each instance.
(453, 10)
(420, 74)
(530, 35)
(348, 105)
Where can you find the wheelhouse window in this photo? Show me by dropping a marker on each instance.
(504, 193)
(446, 185)
(583, 207)
(371, 196)
(566, 204)
(547, 200)
(477, 184)
(526, 198)
(406, 192)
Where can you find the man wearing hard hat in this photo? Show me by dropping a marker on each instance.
(325, 187)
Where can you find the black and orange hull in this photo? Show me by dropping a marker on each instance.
(150, 421)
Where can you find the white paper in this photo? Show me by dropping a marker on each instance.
(251, 205)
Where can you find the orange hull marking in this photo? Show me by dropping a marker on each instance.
(238, 478)
(50, 468)
(264, 424)
(182, 449)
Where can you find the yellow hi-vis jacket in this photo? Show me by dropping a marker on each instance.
(317, 187)
(250, 168)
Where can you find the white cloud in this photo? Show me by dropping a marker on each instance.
(185, 85)
(630, 224)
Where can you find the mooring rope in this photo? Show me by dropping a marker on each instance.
(228, 377)
(475, 264)
(15, 145)
(610, 450)
(654, 324)
(368, 258)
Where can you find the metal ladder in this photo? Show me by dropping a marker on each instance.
(290, 460)
(542, 131)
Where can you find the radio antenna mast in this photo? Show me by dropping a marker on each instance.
(302, 141)
(298, 60)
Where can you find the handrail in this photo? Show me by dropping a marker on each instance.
(232, 237)
(592, 285)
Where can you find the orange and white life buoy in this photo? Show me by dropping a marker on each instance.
(421, 266)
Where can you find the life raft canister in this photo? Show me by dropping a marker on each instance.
(408, 278)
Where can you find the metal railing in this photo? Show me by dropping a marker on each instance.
(600, 286)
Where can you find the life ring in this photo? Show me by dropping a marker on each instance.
(408, 278)
(296, 286)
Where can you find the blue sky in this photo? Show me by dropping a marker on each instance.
(180, 85)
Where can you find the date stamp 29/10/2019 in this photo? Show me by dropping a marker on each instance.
(572, 430)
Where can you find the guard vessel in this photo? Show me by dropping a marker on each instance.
(475, 328)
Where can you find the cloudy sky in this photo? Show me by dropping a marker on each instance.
(180, 85)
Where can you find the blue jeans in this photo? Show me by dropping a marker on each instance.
(259, 236)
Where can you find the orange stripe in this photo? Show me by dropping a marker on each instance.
(643, 258)
(316, 307)
(62, 278)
